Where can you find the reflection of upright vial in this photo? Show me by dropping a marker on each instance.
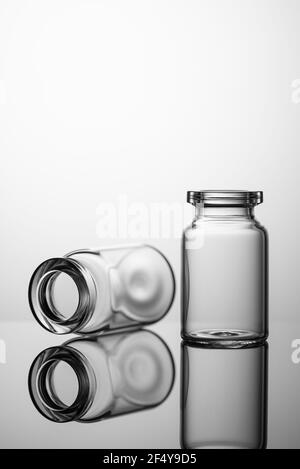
(224, 397)
(91, 379)
(90, 290)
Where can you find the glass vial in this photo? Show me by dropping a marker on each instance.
(224, 397)
(91, 290)
(88, 380)
(224, 298)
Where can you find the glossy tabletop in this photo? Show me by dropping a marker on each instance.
(245, 383)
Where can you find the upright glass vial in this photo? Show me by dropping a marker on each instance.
(224, 298)
(92, 290)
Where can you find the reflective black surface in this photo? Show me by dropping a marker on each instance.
(22, 426)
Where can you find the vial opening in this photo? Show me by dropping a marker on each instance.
(226, 198)
(54, 394)
(62, 295)
(64, 383)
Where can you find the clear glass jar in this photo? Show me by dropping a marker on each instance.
(224, 298)
(224, 397)
(88, 380)
(91, 290)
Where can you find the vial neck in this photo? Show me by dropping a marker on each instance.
(223, 212)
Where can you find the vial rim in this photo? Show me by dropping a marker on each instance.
(45, 399)
(225, 197)
(39, 295)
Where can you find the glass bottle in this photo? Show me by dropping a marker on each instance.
(91, 379)
(91, 290)
(224, 397)
(224, 298)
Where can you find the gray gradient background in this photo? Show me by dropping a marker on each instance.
(148, 99)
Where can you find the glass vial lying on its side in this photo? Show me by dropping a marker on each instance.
(87, 380)
(88, 291)
(225, 267)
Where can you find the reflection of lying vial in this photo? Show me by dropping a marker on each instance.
(224, 397)
(90, 290)
(91, 379)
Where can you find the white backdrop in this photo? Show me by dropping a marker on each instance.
(102, 99)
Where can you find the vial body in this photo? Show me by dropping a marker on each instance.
(92, 290)
(115, 374)
(224, 397)
(224, 262)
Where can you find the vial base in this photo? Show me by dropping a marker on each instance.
(224, 338)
